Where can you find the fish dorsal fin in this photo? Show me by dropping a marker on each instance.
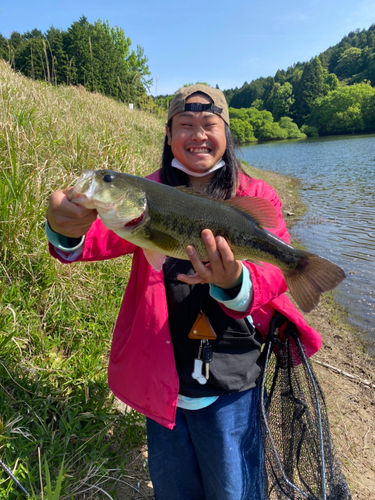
(259, 209)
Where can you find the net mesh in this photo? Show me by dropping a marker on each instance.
(299, 454)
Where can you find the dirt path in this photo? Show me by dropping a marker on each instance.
(351, 404)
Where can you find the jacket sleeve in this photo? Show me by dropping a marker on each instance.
(100, 244)
(267, 280)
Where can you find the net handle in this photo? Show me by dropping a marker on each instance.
(291, 329)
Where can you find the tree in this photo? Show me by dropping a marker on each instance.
(229, 94)
(280, 76)
(349, 63)
(248, 93)
(282, 101)
(4, 52)
(368, 111)
(262, 124)
(137, 63)
(291, 128)
(309, 130)
(258, 104)
(347, 109)
(85, 45)
(242, 130)
(30, 58)
(332, 82)
(310, 87)
(132, 65)
(59, 60)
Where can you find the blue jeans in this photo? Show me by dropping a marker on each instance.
(214, 453)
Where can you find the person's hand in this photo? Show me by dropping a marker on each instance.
(67, 218)
(223, 270)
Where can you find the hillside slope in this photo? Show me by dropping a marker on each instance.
(56, 321)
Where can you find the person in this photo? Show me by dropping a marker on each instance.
(202, 426)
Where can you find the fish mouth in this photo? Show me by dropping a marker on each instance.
(83, 188)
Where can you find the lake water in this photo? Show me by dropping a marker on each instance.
(337, 177)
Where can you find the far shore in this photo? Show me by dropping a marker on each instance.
(358, 133)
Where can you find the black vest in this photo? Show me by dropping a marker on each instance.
(235, 365)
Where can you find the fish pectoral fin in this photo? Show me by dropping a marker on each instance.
(154, 258)
(162, 240)
(260, 210)
(165, 242)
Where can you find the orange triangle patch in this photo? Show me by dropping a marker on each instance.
(202, 328)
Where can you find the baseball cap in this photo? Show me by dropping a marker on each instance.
(218, 106)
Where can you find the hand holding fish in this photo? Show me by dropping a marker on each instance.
(67, 218)
(223, 269)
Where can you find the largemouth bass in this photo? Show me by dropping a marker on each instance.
(163, 220)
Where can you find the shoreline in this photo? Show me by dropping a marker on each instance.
(350, 403)
(348, 134)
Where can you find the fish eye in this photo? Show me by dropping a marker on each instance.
(108, 178)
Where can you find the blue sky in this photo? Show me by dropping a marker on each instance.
(214, 41)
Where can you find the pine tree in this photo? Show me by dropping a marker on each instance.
(4, 53)
(59, 59)
(310, 87)
(78, 51)
(29, 58)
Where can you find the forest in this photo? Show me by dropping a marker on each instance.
(330, 94)
(95, 56)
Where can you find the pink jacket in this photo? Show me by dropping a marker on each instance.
(142, 371)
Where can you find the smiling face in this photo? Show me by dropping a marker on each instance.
(197, 139)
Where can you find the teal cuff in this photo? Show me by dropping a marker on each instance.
(239, 303)
(60, 241)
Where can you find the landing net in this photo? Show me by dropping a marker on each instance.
(299, 454)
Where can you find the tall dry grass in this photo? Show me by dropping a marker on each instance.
(56, 413)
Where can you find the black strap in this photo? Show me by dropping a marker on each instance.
(197, 106)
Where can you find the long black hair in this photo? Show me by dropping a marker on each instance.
(224, 183)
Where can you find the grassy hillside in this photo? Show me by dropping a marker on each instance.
(56, 321)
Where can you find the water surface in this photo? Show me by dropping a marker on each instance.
(337, 177)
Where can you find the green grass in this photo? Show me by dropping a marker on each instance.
(60, 433)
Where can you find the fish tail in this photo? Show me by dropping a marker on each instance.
(312, 276)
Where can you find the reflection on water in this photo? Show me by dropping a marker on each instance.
(337, 177)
